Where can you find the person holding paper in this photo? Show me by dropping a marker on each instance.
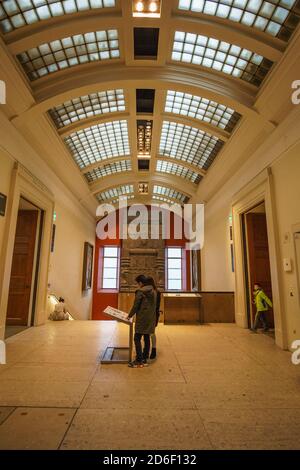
(144, 308)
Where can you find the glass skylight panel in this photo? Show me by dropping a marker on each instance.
(189, 144)
(178, 170)
(103, 102)
(161, 199)
(201, 108)
(115, 192)
(17, 13)
(170, 193)
(275, 17)
(108, 169)
(68, 52)
(128, 197)
(99, 142)
(221, 56)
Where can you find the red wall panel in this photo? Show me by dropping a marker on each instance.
(102, 299)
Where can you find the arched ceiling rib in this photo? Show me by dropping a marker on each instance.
(100, 129)
(206, 83)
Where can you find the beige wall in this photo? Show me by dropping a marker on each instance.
(286, 175)
(215, 256)
(65, 276)
(74, 224)
(6, 166)
(282, 155)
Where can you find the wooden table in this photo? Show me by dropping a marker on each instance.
(182, 307)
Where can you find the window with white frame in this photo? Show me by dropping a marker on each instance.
(110, 268)
(174, 268)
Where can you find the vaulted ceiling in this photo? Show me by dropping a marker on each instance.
(144, 97)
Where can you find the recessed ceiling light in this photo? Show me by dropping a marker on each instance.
(146, 8)
(139, 6)
(153, 7)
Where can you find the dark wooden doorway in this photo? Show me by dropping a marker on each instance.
(258, 261)
(21, 281)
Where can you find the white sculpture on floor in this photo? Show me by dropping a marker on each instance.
(60, 311)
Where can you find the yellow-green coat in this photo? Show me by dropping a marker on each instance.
(261, 301)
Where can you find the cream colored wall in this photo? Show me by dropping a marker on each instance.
(286, 176)
(74, 224)
(281, 154)
(6, 166)
(66, 262)
(215, 255)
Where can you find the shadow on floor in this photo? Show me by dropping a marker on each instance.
(13, 330)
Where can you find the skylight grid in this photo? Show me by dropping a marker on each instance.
(275, 17)
(15, 14)
(115, 192)
(170, 193)
(95, 104)
(155, 197)
(68, 52)
(188, 144)
(108, 169)
(127, 196)
(99, 142)
(178, 170)
(203, 109)
(221, 56)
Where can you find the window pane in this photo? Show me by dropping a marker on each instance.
(174, 252)
(174, 263)
(109, 283)
(174, 285)
(110, 262)
(111, 251)
(174, 274)
(109, 273)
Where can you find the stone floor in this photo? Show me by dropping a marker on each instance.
(212, 387)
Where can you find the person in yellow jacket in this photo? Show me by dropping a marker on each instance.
(262, 303)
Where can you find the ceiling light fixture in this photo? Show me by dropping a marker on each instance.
(139, 6)
(144, 137)
(146, 8)
(153, 7)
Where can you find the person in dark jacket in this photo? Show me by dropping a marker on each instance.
(144, 309)
(157, 314)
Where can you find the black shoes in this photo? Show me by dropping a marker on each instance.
(135, 364)
(153, 353)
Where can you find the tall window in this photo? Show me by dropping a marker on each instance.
(174, 268)
(110, 268)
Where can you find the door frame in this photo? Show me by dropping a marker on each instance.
(247, 273)
(258, 190)
(25, 184)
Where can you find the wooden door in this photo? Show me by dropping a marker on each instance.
(258, 259)
(22, 268)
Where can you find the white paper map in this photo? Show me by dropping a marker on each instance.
(118, 314)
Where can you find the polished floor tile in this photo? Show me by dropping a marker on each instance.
(212, 386)
(136, 429)
(35, 428)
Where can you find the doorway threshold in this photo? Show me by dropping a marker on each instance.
(14, 330)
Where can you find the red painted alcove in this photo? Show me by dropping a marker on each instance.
(102, 299)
